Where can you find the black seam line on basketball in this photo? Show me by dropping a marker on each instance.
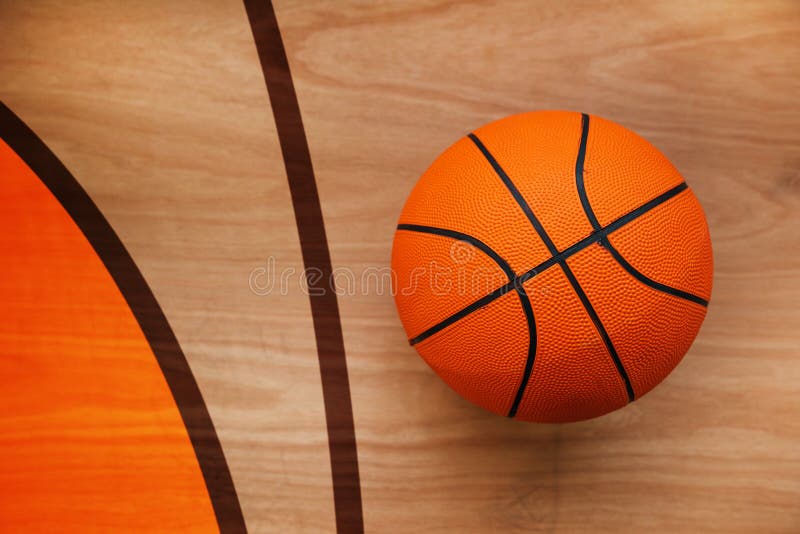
(600, 329)
(330, 348)
(516, 194)
(579, 162)
(478, 304)
(145, 308)
(520, 289)
(592, 238)
(531, 357)
(587, 208)
(649, 281)
(562, 263)
(460, 236)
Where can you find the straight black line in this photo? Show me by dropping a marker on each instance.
(592, 238)
(145, 308)
(600, 329)
(516, 194)
(316, 259)
(644, 208)
(649, 281)
(478, 304)
(587, 207)
(521, 293)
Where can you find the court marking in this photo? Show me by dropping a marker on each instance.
(606, 243)
(145, 308)
(316, 259)
(524, 300)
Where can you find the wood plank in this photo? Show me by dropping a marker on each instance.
(160, 111)
(385, 88)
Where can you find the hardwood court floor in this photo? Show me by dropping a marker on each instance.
(160, 111)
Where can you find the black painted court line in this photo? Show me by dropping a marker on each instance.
(592, 238)
(105, 242)
(524, 300)
(316, 256)
(606, 243)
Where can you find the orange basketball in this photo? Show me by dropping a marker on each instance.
(552, 266)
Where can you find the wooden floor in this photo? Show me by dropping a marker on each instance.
(160, 111)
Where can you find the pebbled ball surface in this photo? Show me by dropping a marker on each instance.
(591, 330)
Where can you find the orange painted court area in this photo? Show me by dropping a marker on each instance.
(91, 435)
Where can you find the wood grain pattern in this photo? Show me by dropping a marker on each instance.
(318, 271)
(160, 111)
(84, 391)
(384, 90)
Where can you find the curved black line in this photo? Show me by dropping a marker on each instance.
(649, 281)
(562, 262)
(532, 343)
(460, 236)
(592, 238)
(587, 208)
(516, 285)
(145, 309)
(316, 259)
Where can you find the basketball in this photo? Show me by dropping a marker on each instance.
(552, 266)
(341, 266)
